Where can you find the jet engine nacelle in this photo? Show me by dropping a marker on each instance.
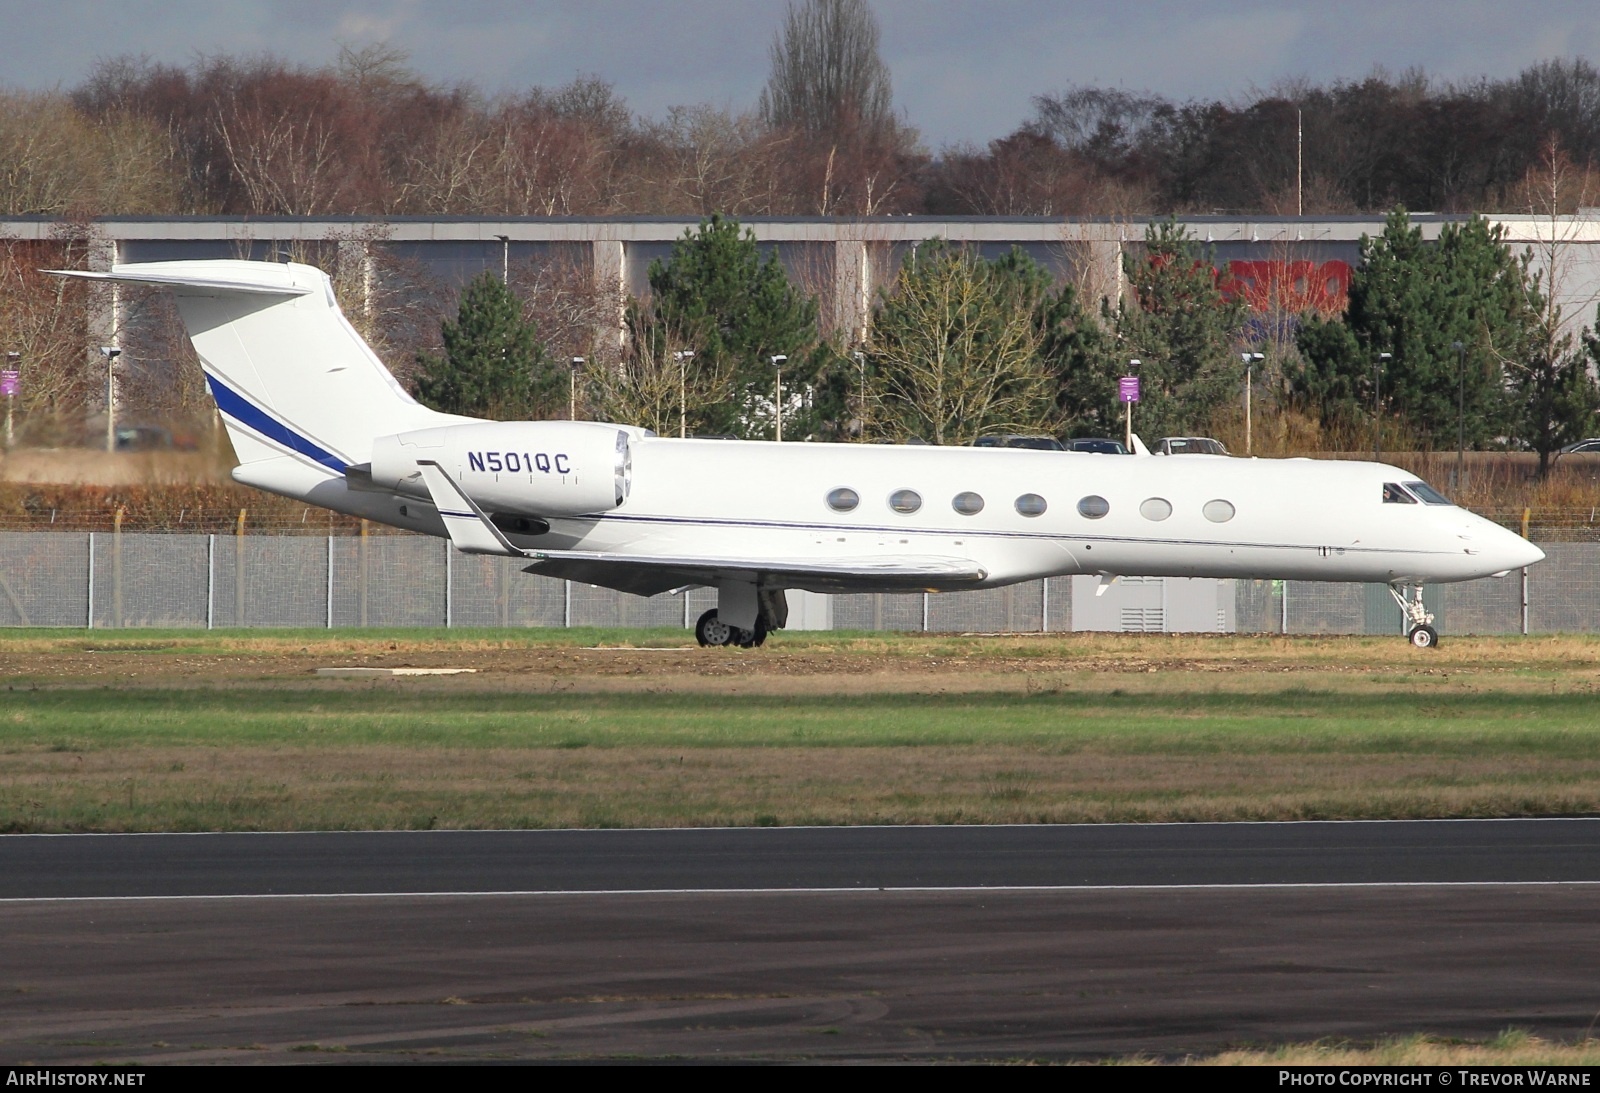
(542, 468)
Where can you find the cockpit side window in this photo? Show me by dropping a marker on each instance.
(1429, 495)
(1393, 494)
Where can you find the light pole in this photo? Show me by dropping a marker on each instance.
(1461, 410)
(572, 391)
(1377, 385)
(505, 259)
(111, 353)
(861, 411)
(1250, 360)
(777, 408)
(1127, 428)
(683, 400)
(10, 380)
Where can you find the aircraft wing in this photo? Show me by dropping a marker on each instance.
(649, 574)
(472, 532)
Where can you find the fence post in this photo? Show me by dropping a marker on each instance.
(448, 571)
(211, 580)
(925, 612)
(238, 571)
(1044, 606)
(566, 604)
(89, 620)
(116, 568)
(361, 573)
(328, 608)
(1283, 607)
(1526, 513)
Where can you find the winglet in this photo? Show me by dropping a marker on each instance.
(470, 530)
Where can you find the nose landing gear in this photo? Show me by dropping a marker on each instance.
(1420, 632)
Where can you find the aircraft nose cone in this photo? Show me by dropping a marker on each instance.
(1512, 551)
(1528, 554)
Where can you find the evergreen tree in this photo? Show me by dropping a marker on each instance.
(717, 298)
(1182, 330)
(1555, 396)
(1419, 302)
(493, 363)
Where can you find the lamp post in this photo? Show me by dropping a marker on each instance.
(861, 410)
(1250, 360)
(505, 259)
(572, 390)
(10, 380)
(777, 407)
(1377, 385)
(1127, 427)
(683, 400)
(1461, 410)
(111, 353)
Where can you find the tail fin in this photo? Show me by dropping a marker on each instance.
(289, 373)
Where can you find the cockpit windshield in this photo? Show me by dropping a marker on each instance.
(1429, 495)
(1394, 495)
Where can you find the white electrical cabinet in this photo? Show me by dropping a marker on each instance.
(1154, 605)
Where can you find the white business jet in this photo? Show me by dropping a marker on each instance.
(313, 414)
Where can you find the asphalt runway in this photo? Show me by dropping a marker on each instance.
(792, 944)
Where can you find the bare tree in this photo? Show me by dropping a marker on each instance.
(55, 160)
(826, 72)
(650, 385)
(42, 319)
(956, 351)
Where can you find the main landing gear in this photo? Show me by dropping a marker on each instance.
(711, 630)
(1420, 631)
(766, 607)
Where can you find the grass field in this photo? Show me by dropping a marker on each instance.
(192, 730)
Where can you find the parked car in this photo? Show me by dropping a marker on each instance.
(143, 438)
(1188, 445)
(1017, 440)
(1100, 445)
(1592, 445)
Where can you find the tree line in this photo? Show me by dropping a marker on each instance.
(230, 135)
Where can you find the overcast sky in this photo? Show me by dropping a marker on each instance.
(963, 71)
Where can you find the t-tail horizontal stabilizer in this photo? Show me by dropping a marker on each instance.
(470, 530)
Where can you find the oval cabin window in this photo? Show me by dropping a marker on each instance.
(1155, 508)
(1031, 504)
(905, 502)
(1218, 512)
(1093, 507)
(843, 499)
(967, 503)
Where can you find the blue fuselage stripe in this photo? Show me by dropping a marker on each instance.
(245, 412)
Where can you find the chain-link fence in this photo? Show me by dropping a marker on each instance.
(105, 580)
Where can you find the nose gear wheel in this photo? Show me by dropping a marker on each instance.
(1419, 620)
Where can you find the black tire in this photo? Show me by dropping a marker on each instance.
(1423, 637)
(712, 632)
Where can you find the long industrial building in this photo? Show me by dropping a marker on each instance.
(1289, 264)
